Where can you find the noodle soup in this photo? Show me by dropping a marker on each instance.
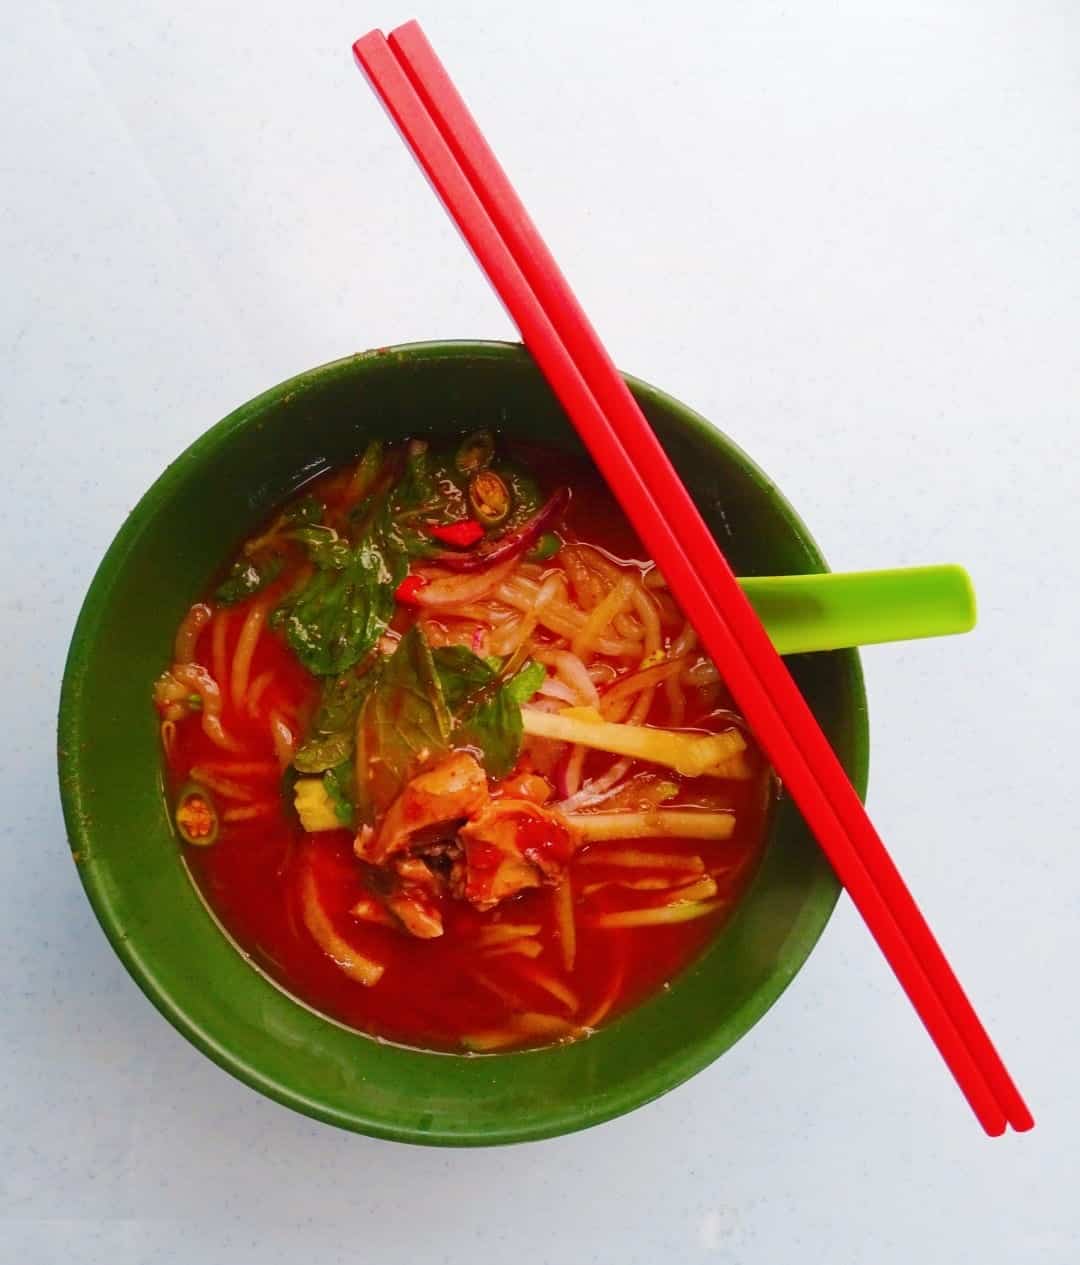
(445, 758)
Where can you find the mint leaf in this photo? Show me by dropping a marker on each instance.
(404, 722)
(461, 674)
(493, 723)
(334, 621)
(525, 684)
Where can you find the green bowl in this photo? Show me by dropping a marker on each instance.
(121, 840)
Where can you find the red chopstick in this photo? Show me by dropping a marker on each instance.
(438, 128)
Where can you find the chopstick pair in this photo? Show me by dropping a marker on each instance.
(436, 125)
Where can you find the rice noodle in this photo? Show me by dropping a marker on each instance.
(586, 585)
(630, 685)
(224, 786)
(507, 638)
(645, 606)
(570, 778)
(248, 812)
(188, 633)
(256, 690)
(554, 688)
(601, 564)
(641, 706)
(443, 589)
(646, 609)
(250, 631)
(517, 632)
(168, 736)
(242, 768)
(596, 791)
(600, 618)
(200, 682)
(563, 619)
(486, 612)
(633, 710)
(550, 589)
(628, 626)
(358, 967)
(665, 604)
(573, 672)
(551, 705)
(218, 645)
(676, 701)
(684, 642)
(607, 784)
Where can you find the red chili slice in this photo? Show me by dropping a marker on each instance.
(407, 590)
(464, 534)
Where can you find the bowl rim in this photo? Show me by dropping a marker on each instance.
(797, 948)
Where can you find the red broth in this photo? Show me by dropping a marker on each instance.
(446, 993)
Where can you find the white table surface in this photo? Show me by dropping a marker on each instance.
(846, 232)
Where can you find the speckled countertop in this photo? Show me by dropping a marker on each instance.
(846, 233)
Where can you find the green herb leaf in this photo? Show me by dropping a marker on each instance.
(489, 713)
(340, 702)
(430, 492)
(246, 577)
(368, 471)
(404, 722)
(525, 684)
(323, 751)
(462, 674)
(334, 621)
(492, 723)
(332, 736)
(325, 547)
(417, 492)
(340, 786)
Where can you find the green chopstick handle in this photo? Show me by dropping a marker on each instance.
(860, 608)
